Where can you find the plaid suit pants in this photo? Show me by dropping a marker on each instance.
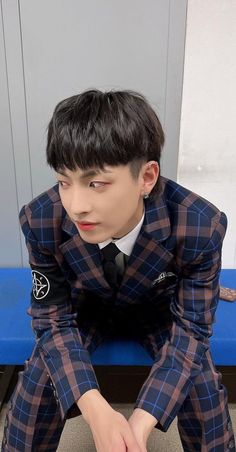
(33, 422)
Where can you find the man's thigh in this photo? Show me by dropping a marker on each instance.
(204, 421)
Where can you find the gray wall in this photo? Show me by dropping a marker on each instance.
(52, 49)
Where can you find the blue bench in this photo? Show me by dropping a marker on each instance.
(17, 339)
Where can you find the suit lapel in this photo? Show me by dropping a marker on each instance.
(148, 260)
(149, 257)
(85, 260)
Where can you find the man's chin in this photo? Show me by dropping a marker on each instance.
(92, 237)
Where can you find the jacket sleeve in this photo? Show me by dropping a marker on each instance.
(180, 359)
(54, 324)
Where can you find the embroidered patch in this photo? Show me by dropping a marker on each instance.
(41, 285)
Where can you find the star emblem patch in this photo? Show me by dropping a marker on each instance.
(41, 285)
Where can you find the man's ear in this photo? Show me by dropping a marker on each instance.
(150, 174)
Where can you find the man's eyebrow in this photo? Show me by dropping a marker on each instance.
(90, 173)
(87, 173)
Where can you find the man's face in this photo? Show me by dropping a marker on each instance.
(102, 203)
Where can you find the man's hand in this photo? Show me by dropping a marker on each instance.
(111, 431)
(142, 423)
(227, 294)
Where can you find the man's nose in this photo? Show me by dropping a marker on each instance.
(79, 204)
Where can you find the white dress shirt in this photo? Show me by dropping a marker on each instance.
(126, 243)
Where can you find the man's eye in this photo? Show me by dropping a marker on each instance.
(97, 184)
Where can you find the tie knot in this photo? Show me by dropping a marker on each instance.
(110, 252)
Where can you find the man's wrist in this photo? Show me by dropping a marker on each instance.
(143, 415)
(142, 423)
(91, 403)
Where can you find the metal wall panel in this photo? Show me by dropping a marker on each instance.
(60, 48)
(9, 230)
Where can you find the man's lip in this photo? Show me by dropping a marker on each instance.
(85, 222)
(86, 226)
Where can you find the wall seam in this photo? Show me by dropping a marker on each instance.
(25, 99)
(167, 64)
(182, 89)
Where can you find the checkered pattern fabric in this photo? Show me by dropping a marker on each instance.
(181, 236)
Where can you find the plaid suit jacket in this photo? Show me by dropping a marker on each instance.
(182, 236)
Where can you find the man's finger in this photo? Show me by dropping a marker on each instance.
(131, 442)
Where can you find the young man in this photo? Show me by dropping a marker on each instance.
(160, 286)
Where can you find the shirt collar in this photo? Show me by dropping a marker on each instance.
(126, 243)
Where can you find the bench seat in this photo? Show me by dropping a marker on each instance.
(17, 339)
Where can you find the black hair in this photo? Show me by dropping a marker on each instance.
(94, 129)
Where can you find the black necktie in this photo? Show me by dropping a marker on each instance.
(112, 273)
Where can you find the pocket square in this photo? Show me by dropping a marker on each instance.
(162, 277)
